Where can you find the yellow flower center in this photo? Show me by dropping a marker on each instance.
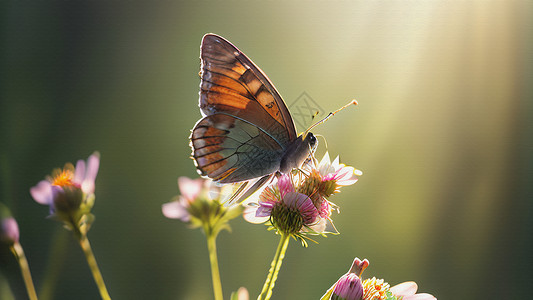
(375, 289)
(63, 177)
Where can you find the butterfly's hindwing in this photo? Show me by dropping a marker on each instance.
(228, 149)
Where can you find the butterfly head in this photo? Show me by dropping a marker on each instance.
(298, 151)
(311, 140)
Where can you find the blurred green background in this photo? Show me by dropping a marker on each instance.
(443, 134)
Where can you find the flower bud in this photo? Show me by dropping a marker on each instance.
(9, 229)
(348, 287)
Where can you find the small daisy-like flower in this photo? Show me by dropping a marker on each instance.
(325, 180)
(190, 190)
(199, 205)
(334, 175)
(69, 192)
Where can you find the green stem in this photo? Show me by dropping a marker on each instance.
(274, 267)
(24, 269)
(86, 246)
(215, 274)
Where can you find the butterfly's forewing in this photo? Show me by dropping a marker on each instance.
(246, 126)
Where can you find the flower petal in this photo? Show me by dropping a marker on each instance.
(404, 289)
(175, 210)
(265, 208)
(242, 294)
(324, 167)
(42, 192)
(319, 226)
(93, 163)
(304, 205)
(422, 296)
(190, 188)
(285, 185)
(79, 173)
(250, 215)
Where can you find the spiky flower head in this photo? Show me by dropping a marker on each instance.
(297, 203)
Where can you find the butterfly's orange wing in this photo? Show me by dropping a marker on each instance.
(246, 126)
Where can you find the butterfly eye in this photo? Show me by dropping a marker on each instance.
(312, 139)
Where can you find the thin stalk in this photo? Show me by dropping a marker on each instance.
(86, 246)
(215, 274)
(274, 268)
(24, 269)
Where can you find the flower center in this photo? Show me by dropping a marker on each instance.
(285, 219)
(63, 178)
(375, 289)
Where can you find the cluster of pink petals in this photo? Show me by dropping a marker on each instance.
(287, 196)
(342, 174)
(190, 189)
(325, 209)
(84, 178)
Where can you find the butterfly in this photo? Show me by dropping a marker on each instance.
(246, 133)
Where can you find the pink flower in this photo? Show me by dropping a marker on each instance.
(200, 205)
(70, 187)
(288, 210)
(336, 173)
(407, 291)
(190, 190)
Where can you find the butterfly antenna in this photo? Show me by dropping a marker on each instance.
(331, 114)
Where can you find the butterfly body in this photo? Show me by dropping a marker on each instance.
(246, 131)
